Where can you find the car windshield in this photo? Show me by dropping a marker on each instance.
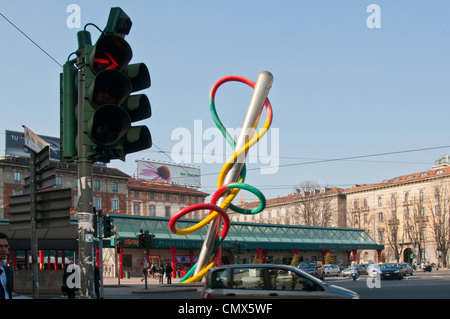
(387, 266)
(306, 264)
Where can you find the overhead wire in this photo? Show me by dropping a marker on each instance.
(32, 41)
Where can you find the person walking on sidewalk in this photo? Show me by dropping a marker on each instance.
(168, 270)
(161, 274)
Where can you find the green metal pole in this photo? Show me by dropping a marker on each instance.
(34, 239)
(85, 212)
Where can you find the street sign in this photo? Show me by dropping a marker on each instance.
(44, 179)
(33, 141)
(53, 209)
(45, 173)
(19, 212)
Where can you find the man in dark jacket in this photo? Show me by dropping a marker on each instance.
(168, 269)
(6, 281)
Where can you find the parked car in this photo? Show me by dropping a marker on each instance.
(313, 268)
(253, 281)
(331, 270)
(407, 269)
(386, 271)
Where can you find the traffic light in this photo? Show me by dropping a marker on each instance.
(238, 248)
(68, 119)
(141, 238)
(106, 85)
(109, 109)
(108, 230)
(148, 240)
(118, 247)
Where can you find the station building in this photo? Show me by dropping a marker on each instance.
(267, 243)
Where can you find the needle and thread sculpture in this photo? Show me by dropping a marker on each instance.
(231, 177)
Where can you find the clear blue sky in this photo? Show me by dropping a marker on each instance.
(340, 89)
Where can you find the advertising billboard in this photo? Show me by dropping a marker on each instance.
(14, 145)
(182, 175)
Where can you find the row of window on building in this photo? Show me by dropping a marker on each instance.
(136, 206)
(407, 199)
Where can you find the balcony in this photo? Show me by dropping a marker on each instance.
(393, 222)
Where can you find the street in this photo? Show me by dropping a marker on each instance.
(434, 285)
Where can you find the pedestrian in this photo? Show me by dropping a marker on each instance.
(153, 270)
(168, 270)
(69, 290)
(6, 284)
(161, 274)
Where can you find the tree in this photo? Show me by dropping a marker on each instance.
(315, 207)
(391, 230)
(415, 224)
(439, 223)
(295, 260)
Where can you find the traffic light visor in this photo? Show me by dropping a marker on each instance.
(138, 138)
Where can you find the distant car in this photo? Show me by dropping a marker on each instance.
(262, 281)
(386, 271)
(345, 272)
(331, 270)
(313, 268)
(407, 269)
(363, 269)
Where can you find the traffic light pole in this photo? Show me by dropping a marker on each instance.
(85, 216)
(145, 267)
(34, 239)
(100, 250)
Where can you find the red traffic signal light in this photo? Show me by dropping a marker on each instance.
(111, 52)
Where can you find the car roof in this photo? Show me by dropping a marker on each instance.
(253, 266)
(287, 267)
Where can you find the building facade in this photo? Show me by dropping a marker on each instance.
(109, 187)
(325, 207)
(159, 199)
(408, 214)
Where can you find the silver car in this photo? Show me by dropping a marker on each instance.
(262, 281)
(332, 270)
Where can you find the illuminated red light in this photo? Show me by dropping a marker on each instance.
(111, 62)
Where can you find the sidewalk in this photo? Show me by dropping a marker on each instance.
(135, 285)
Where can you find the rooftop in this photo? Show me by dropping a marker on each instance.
(163, 187)
(413, 177)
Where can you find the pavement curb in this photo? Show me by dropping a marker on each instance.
(170, 288)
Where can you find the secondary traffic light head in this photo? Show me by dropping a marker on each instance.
(68, 119)
(108, 230)
(141, 239)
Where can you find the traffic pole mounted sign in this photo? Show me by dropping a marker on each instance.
(47, 209)
(38, 209)
(52, 209)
